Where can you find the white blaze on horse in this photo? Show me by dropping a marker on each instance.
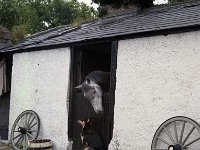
(90, 138)
(93, 87)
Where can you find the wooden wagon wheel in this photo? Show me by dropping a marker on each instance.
(177, 133)
(26, 127)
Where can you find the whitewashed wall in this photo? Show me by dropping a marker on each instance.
(157, 78)
(40, 82)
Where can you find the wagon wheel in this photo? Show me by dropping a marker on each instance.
(177, 133)
(26, 127)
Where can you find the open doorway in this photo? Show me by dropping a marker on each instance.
(5, 85)
(85, 59)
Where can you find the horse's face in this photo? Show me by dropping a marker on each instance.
(93, 93)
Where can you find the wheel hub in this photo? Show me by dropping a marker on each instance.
(175, 147)
(22, 130)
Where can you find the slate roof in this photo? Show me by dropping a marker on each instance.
(150, 20)
(40, 37)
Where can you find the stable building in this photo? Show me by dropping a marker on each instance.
(153, 59)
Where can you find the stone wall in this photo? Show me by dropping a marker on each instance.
(157, 78)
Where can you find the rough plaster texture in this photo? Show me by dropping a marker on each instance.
(40, 83)
(157, 78)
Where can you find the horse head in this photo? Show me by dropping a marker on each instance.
(93, 93)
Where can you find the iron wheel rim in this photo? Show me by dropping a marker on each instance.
(178, 135)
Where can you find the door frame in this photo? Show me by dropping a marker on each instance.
(73, 67)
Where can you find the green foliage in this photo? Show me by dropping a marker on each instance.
(83, 13)
(8, 13)
(24, 17)
(19, 32)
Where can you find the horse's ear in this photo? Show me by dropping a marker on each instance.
(78, 87)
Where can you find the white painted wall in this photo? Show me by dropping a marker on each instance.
(40, 82)
(157, 78)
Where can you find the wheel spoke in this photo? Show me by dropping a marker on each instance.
(27, 137)
(31, 130)
(16, 124)
(16, 136)
(169, 135)
(18, 140)
(175, 130)
(28, 119)
(21, 143)
(164, 141)
(31, 121)
(188, 144)
(22, 121)
(26, 141)
(30, 135)
(182, 131)
(32, 125)
(186, 138)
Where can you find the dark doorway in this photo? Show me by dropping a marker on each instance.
(84, 60)
(5, 99)
(4, 115)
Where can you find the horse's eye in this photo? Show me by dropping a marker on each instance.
(88, 81)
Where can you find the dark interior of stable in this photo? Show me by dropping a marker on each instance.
(86, 59)
(5, 99)
(92, 58)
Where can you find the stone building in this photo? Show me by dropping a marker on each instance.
(152, 55)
